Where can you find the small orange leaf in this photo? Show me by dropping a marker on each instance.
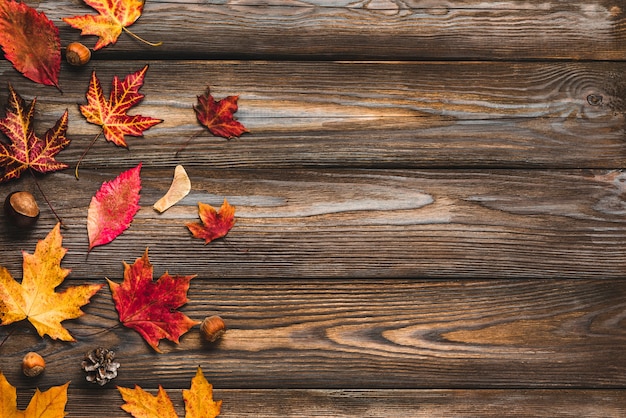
(48, 404)
(35, 299)
(199, 401)
(214, 224)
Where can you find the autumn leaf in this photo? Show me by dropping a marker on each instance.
(180, 187)
(150, 307)
(35, 299)
(113, 207)
(26, 150)
(199, 401)
(213, 224)
(114, 17)
(48, 404)
(111, 115)
(31, 42)
(217, 116)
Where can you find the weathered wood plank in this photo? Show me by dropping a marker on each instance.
(378, 403)
(342, 334)
(385, 114)
(439, 224)
(382, 29)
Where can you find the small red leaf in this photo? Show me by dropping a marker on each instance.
(113, 207)
(149, 307)
(214, 224)
(217, 116)
(31, 42)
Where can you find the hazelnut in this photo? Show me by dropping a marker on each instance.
(77, 54)
(22, 209)
(212, 328)
(33, 364)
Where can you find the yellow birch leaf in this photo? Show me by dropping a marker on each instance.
(142, 404)
(199, 401)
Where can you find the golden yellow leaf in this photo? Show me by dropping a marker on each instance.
(48, 404)
(142, 404)
(35, 298)
(199, 401)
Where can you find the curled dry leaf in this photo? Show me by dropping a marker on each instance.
(180, 187)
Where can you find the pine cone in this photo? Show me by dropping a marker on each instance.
(100, 366)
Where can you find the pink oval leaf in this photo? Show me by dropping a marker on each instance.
(113, 207)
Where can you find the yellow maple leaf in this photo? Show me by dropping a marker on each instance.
(199, 401)
(35, 299)
(48, 404)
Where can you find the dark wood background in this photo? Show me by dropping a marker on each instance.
(430, 207)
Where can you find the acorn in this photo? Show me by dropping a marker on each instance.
(77, 54)
(33, 364)
(22, 209)
(212, 328)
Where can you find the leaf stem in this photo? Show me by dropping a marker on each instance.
(93, 141)
(186, 144)
(7, 336)
(46, 199)
(101, 331)
(140, 38)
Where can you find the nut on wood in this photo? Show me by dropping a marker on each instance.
(21, 208)
(77, 54)
(212, 328)
(33, 364)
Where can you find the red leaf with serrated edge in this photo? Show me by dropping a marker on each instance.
(150, 307)
(26, 150)
(111, 115)
(214, 224)
(217, 116)
(113, 207)
(31, 42)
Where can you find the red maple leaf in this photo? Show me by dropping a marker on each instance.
(149, 307)
(25, 150)
(214, 224)
(217, 116)
(31, 42)
(111, 114)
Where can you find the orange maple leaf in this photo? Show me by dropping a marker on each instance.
(149, 307)
(35, 299)
(48, 404)
(115, 16)
(217, 116)
(214, 224)
(26, 151)
(111, 115)
(199, 401)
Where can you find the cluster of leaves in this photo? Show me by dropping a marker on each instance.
(198, 399)
(155, 314)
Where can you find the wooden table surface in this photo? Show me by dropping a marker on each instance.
(431, 208)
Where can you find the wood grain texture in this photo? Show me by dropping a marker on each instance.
(380, 29)
(358, 114)
(438, 224)
(355, 334)
(84, 403)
